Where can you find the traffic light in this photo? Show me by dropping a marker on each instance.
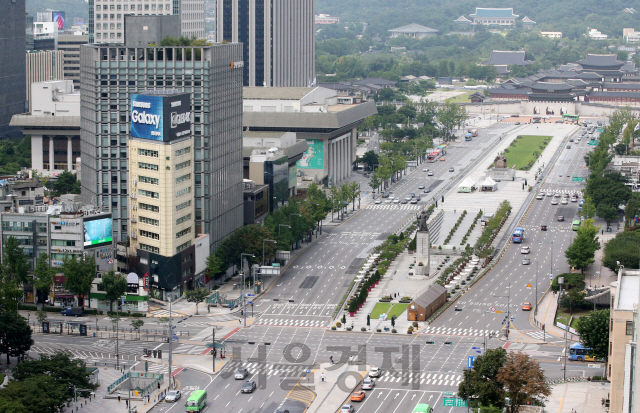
(543, 327)
(159, 354)
(155, 353)
(442, 198)
(144, 352)
(393, 321)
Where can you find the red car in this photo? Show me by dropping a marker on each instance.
(526, 306)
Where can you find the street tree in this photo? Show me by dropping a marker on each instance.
(43, 275)
(594, 333)
(15, 334)
(214, 266)
(60, 365)
(623, 249)
(41, 393)
(41, 316)
(197, 295)
(114, 287)
(523, 379)
(581, 252)
(66, 183)
(137, 323)
(79, 274)
(15, 263)
(479, 385)
(588, 208)
(370, 158)
(374, 182)
(449, 116)
(632, 210)
(607, 212)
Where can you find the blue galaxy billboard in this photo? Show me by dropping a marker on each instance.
(98, 231)
(160, 117)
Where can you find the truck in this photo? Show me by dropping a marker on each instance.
(73, 311)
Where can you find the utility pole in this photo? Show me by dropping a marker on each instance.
(213, 350)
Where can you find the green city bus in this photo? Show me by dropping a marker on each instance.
(570, 118)
(197, 401)
(576, 224)
(423, 408)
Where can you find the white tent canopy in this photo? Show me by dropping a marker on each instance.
(489, 184)
(467, 185)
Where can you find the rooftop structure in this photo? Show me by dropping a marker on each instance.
(414, 30)
(494, 16)
(501, 59)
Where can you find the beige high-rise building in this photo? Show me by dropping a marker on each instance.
(106, 17)
(161, 169)
(43, 66)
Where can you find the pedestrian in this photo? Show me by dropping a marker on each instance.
(126, 403)
(350, 359)
(119, 397)
(331, 359)
(208, 308)
(158, 386)
(148, 398)
(602, 401)
(322, 378)
(239, 321)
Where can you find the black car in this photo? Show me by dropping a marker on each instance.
(249, 386)
(543, 227)
(560, 218)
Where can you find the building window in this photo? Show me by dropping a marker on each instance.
(149, 248)
(184, 246)
(148, 166)
(183, 165)
(182, 179)
(148, 180)
(149, 194)
(183, 232)
(150, 221)
(183, 219)
(183, 192)
(148, 207)
(147, 152)
(183, 151)
(148, 234)
(629, 328)
(183, 205)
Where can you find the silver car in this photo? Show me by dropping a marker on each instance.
(368, 384)
(173, 396)
(241, 374)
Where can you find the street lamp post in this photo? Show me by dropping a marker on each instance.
(282, 225)
(263, 241)
(485, 332)
(170, 333)
(244, 309)
(508, 297)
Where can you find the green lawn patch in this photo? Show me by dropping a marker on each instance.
(463, 98)
(397, 309)
(562, 315)
(525, 150)
(379, 308)
(2, 378)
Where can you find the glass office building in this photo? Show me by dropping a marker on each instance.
(212, 75)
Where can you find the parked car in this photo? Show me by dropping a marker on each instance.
(249, 386)
(173, 396)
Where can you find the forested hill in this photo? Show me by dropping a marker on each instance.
(570, 17)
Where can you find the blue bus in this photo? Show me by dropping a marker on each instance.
(578, 352)
(467, 137)
(518, 235)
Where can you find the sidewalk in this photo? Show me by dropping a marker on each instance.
(546, 315)
(329, 393)
(583, 397)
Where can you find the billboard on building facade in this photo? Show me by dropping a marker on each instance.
(161, 117)
(58, 17)
(313, 158)
(293, 176)
(98, 231)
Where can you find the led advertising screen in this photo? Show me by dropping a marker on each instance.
(98, 231)
(58, 17)
(160, 118)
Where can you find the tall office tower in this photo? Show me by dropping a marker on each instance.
(106, 17)
(70, 46)
(13, 40)
(278, 38)
(110, 74)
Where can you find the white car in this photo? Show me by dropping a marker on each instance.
(396, 200)
(564, 201)
(368, 384)
(525, 250)
(430, 173)
(425, 169)
(549, 193)
(375, 372)
(388, 201)
(540, 195)
(173, 396)
(554, 201)
(420, 186)
(378, 201)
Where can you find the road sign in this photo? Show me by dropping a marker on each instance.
(251, 295)
(470, 361)
(593, 143)
(577, 178)
(448, 393)
(451, 402)
(551, 276)
(493, 309)
(275, 264)
(308, 371)
(499, 312)
(251, 302)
